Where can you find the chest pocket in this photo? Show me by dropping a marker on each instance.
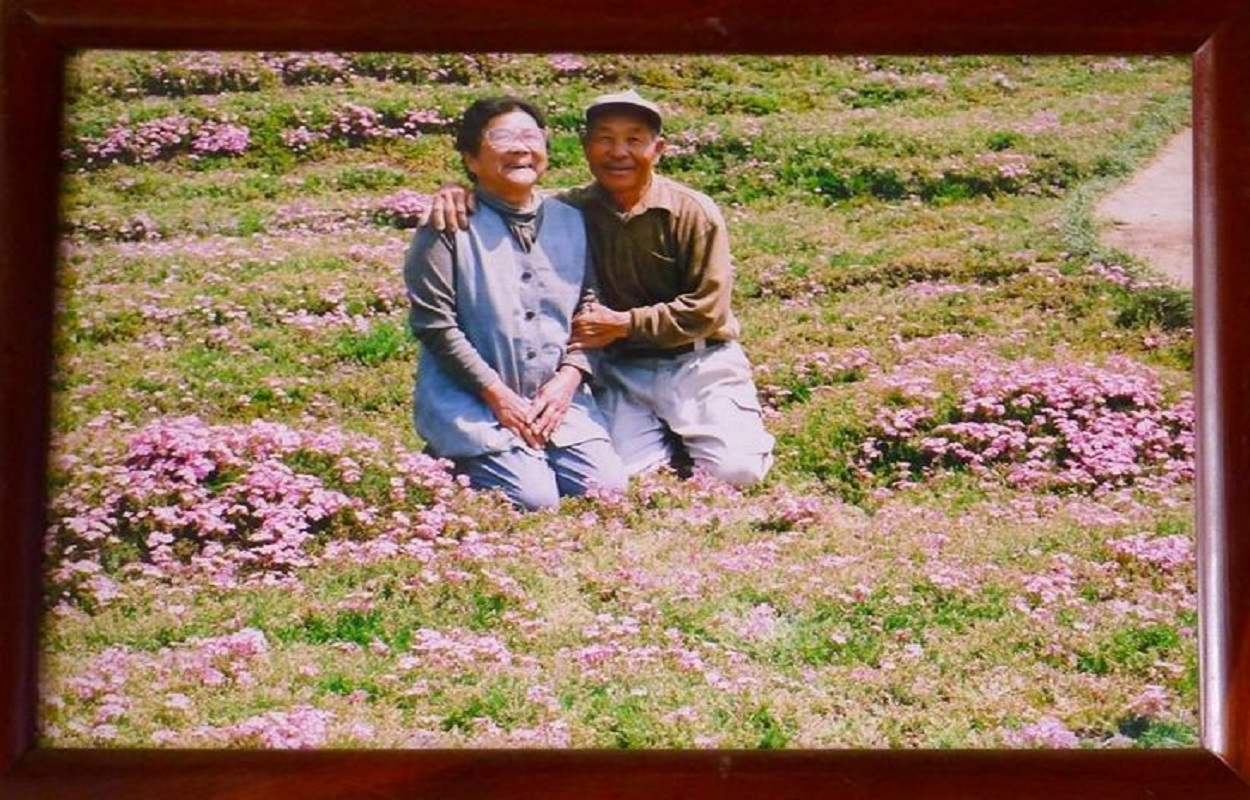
(661, 245)
(642, 262)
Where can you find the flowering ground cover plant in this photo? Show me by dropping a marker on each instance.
(978, 532)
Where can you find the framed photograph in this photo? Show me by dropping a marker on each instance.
(42, 39)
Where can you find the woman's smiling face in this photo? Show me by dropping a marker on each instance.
(511, 157)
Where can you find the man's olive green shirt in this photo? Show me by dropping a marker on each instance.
(666, 261)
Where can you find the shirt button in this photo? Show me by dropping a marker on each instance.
(529, 314)
(525, 276)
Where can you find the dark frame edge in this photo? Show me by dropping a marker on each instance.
(30, 114)
(1221, 69)
(638, 775)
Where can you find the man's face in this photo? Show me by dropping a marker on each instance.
(621, 151)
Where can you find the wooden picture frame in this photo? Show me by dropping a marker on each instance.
(38, 35)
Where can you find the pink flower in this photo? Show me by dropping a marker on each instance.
(301, 728)
(1048, 732)
(1151, 702)
(1168, 553)
(402, 209)
(1059, 426)
(220, 139)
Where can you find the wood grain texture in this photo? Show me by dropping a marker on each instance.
(38, 35)
(29, 116)
(1222, 353)
(615, 775)
(800, 26)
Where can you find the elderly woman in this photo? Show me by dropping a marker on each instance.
(497, 391)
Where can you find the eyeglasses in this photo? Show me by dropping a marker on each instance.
(502, 138)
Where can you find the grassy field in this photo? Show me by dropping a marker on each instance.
(978, 532)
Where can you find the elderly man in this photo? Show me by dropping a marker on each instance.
(673, 379)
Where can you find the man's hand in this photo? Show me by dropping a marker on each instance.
(512, 411)
(450, 208)
(553, 400)
(597, 326)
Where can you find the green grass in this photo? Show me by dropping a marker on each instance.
(910, 209)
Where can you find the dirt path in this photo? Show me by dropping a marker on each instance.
(1152, 215)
